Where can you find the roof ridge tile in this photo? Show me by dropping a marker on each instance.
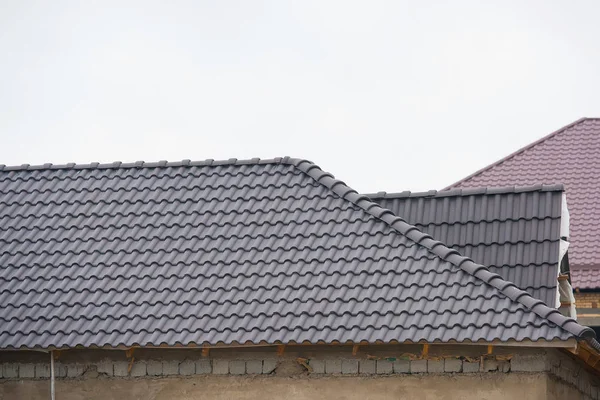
(153, 164)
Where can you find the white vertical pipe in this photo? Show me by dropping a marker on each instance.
(52, 375)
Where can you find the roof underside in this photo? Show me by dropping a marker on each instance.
(237, 252)
(568, 156)
(515, 232)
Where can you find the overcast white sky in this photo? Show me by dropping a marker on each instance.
(385, 95)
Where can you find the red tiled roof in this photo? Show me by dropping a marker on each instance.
(570, 156)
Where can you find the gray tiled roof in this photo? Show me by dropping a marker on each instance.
(272, 251)
(514, 231)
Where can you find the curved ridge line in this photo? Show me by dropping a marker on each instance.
(220, 262)
(192, 248)
(195, 225)
(233, 289)
(173, 201)
(199, 188)
(201, 275)
(174, 215)
(106, 239)
(228, 302)
(275, 314)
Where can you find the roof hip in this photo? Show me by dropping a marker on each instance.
(439, 249)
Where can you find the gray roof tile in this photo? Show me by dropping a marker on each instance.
(514, 231)
(257, 251)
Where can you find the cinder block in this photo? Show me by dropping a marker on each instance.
(470, 367)
(138, 369)
(418, 366)
(384, 367)
(203, 367)
(105, 367)
(75, 370)
(120, 368)
(10, 371)
(528, 363)
(170, 367)
(153, 368)
(220, 367)
(187, 367)
(435, 366)
(254, 367)
(504, 366)
(27, 371)
(42, 370)
(490, 364)
(60, 370)
(349, 366)
(452, 365)
(318, 366)
(237, 367)
(333, 366)
(269, 366)
(367, 366)
(401, 367)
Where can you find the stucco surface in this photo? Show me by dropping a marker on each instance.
(490, 386)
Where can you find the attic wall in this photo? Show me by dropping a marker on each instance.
(306, 371)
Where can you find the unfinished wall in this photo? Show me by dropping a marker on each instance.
(587, 299)
(441, 372)
(410, 387)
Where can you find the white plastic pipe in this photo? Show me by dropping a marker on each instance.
(52, 376)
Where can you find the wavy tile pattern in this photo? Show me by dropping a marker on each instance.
(515, 232)
(568, 156)
(272, 251)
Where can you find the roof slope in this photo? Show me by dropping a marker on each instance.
(515, 232)
(273, 251)
(568, 156)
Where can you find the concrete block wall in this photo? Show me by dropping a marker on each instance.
(316, 366)
(144, 368)
(304, 361)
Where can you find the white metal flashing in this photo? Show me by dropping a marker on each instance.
(564, 218)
